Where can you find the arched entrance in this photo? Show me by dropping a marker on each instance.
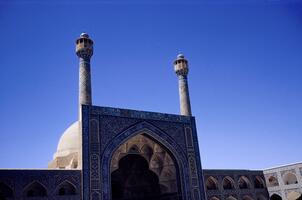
(143, 169)
(244, 182)
(134, 180)
(275, 197)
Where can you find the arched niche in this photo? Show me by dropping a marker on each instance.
(259, 182)
(66, 189)
(228, 183)
(290, 178)
(35, 189)
(275, 197)
(243, 182)
(5, 191)
(134, 180)
(211, 183)
(293, 195)
(272, 181)
(150, 172)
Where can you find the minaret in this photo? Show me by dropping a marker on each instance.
(84, 50)
(181, 69)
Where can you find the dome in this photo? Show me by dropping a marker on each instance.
(180, 55)
(69, 142)
(84, 35)
(66, 156)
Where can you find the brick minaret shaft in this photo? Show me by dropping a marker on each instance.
(181, 70)
(84, 50)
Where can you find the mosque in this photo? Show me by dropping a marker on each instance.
(122, 154)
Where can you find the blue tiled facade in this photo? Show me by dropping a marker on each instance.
(51, 180)
(252, 189)
(115, 126)
(103, 130)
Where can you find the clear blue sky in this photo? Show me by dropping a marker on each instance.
(245, 73)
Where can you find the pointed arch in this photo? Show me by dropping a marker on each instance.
(35, 189)
(244, 182)
(66, 188)
(5, 191)
(211, 183)
(151, 131)
(228, 183)
(272, 181)
(259, 182)
(289, 178)
(177, 153)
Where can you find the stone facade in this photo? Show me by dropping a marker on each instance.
(107, 130)
(284, 181)
(40, 184)
(48, 184)
(235, 185)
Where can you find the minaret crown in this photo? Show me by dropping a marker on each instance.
(84, 46)
(181, 65)
(181, 69)
(180, 55)
(84, 35)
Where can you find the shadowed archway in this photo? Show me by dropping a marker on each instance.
(275, 197)
(35, 189)
(178, 186)
(228, 183)
(143, 169)
(134, 180)
(211, 183)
